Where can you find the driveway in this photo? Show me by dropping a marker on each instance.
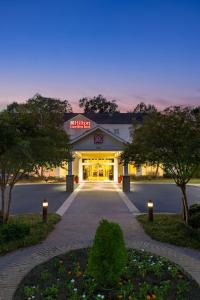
(27, 198)
(166, 197)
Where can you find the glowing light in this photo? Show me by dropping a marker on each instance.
(80, 124)
(150, 204)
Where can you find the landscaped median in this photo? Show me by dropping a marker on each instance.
(171, 229)
(25, 230)
(107, 271)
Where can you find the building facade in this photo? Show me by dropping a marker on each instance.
(97, 142)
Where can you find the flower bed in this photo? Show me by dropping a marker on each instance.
(145, 277)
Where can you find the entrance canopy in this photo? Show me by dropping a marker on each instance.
(97, 165)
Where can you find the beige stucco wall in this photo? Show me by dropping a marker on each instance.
(151, 171)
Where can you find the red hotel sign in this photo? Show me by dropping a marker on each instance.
(80, 124)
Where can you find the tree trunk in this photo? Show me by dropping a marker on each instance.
(2, 205)
(157, 168)
(42, 172)
(184, 202)
(9, 204)
(3, 190)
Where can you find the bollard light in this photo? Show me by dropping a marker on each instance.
(45, 210)
(150, 210)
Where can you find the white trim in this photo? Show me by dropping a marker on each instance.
(65, 206)
(80, 171)
(131, 207)
(116, 163)
(94, 163)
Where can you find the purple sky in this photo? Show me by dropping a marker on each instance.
(131, 51)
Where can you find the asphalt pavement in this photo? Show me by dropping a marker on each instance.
(166, 197)
(27, 198)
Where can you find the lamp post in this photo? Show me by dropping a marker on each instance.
(45, 210)
(150, 210)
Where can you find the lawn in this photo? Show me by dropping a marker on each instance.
(171, 229)
(37, 231)
(145, 277)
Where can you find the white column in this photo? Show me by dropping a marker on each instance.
(70, 167)
(80, 172)
(125, 169)
(116, 169)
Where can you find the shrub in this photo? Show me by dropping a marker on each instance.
(108, 255)
(193, 209)
(9, 232)
(194, 220)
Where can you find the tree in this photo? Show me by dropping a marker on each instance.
(27, 144)
(98, 104)
(171, 139)
(196, 110)
(144, 108)
(50, 109)
(46, 110)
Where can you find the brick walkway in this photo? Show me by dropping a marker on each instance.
(77, 229)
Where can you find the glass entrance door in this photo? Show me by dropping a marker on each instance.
(98, 170)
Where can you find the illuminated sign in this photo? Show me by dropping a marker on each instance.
(98, 139)
(80, 124)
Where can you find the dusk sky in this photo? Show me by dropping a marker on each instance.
(131, 51)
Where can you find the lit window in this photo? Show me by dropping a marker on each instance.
(116, 131)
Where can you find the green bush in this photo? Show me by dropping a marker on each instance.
(194, 216)
(197, 173)
(193, 209)
(9, 232)
(194, 220)
(108, 255)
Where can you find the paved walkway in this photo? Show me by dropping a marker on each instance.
(77, 229)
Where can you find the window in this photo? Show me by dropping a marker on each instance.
(116, 131)
(130, 130)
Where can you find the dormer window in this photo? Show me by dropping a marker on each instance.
(116, 131)
(130, 131)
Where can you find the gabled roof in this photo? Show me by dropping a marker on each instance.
(86, 133)
(107, 118)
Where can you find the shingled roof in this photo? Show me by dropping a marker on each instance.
(107, 118)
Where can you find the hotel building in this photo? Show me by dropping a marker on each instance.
(97, 142)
